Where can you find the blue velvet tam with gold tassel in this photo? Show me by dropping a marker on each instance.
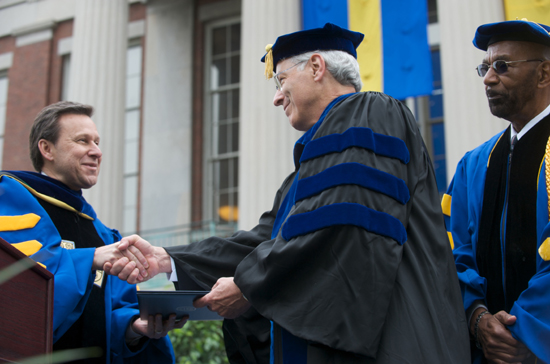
(329, 37)
(515, 30)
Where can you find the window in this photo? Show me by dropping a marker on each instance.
(429, 114)
(3, 102)
(132, 138)
(436, 124)
(66, 71)
(222, 120)
(432, 11)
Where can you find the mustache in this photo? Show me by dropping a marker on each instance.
(491, 93)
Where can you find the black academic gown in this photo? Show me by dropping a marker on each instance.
(361, 268)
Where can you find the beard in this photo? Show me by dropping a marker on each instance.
(502, 107)
(510, 103)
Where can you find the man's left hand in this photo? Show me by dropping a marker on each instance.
(155, 327)
(499, 346)
(225, 298)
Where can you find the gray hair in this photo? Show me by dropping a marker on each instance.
(46, 126)
(341, 65)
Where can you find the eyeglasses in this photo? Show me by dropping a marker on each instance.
(499, 66)
(276, 76)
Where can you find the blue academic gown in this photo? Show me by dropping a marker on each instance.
(462, 207)
(72, 268)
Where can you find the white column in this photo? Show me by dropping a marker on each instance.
(468, 121)
(98, 70)
(266, 137)
(167, 111)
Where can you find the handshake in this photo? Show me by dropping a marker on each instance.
(132, 259)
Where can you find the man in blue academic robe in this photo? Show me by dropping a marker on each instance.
(45, 216)
(496, 207)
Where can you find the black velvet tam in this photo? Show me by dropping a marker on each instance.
(329, 37)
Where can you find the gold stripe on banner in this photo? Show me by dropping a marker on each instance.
(19, 222)
(364, 17)
(28, 247)
(534, 10)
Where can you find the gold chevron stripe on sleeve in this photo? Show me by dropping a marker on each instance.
(28, 247)
(19, 222)
(446, 204)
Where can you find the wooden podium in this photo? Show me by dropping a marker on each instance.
(26, 309)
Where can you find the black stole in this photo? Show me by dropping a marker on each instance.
(509, 207)
(90, 328)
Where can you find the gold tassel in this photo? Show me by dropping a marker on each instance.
(268, 62)
(537, 24)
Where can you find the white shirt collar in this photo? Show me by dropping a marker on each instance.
(530, 124)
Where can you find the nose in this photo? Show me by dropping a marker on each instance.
(95, 151)
(491, 77)
(278, 98)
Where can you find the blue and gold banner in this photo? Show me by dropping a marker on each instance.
(395, 57)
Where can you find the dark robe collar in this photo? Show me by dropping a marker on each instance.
(308, 135)
(50, 187)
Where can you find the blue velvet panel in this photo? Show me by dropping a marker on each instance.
(380, 144)
(336, 214)
(354, 174)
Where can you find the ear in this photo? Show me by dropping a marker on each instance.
(544, 75)
(46, 149)
(318, 66)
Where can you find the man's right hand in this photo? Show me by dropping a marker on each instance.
(499, 346)
(157, 258)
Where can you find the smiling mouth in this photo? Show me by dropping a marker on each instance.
(286, 106)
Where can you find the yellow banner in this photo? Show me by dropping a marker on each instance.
(534, 10)
(364, 17)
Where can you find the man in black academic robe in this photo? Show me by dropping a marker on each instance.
(353, 263)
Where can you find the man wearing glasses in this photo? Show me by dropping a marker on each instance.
(353, 264)
(497, 205)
